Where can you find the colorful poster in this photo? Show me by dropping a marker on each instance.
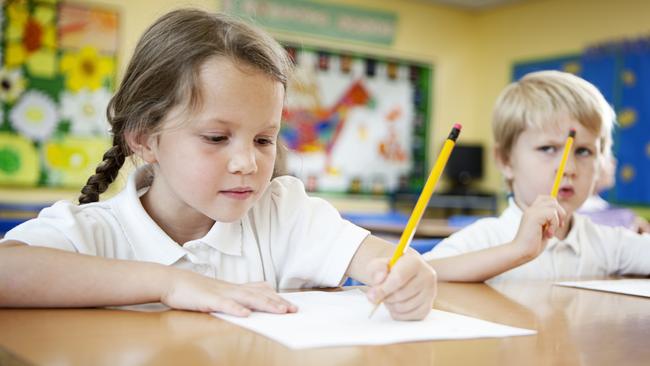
(57, 75)
(355, 124)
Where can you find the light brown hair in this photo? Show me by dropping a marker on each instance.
(164, 72)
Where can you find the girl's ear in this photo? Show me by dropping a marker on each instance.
(503, 162)
(142, 145)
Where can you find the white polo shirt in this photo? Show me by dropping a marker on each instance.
(287, 238)
(589, 250)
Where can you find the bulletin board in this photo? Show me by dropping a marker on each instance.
(56, 79)
(356, 123)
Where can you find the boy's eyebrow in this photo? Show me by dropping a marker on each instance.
(551, 141)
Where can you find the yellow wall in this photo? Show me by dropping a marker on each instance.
(472, 52)
(432, 34)
(538, 29)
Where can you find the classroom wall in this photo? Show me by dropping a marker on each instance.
(472, 52)
(427, 33)
(539, 29)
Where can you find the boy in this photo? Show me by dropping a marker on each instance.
(537, 236)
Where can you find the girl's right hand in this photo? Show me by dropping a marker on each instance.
(539, 223)
(191, 291)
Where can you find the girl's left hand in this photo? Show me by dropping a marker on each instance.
(408, 290)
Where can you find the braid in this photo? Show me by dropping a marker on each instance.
(105, 173)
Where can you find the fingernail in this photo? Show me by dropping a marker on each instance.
(282, 308)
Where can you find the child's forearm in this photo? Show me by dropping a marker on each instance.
(480, 265)
(44, 277)
(372, 247)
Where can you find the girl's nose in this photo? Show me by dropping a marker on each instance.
(242, 161)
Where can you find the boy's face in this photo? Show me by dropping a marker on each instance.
(535, 158)
(218, 164)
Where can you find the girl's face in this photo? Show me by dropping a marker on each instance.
(535, 158)
(217, 165)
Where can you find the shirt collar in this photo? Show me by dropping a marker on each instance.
(513, 214)
(149, 242)
(225, 237)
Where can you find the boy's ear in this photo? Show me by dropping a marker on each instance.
(142, 145)
(503, 162)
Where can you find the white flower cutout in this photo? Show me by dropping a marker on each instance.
(35, 115)
(86, 111)
(12, 84)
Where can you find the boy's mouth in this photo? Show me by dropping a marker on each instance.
(566, 192)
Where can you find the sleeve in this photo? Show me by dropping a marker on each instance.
(630, 251)
(477, 236)
(64, 226)
(316, 245)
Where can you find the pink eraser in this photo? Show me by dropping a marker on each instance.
(458, 126)
(572, 132)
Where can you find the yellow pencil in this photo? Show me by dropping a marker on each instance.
(423, 200)
(565, 157)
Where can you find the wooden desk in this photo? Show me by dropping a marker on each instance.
(575, 327)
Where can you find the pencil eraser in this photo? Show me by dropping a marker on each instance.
(572, 132)
(458, 126)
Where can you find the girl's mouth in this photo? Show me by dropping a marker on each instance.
(238, 193)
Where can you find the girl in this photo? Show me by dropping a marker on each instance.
(202, 225)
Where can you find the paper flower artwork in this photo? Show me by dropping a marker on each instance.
(86, 111)
(18, 160)
(86, 69)
(12, 84)
(31, 38)
(35, 115)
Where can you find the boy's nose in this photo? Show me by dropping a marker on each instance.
(242, 161)
(570, 166)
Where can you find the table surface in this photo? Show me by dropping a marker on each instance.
(574, 326)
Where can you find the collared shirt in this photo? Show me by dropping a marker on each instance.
(287, 238)
(589, 250)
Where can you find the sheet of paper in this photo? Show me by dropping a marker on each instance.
(637, 287)
(328, 319)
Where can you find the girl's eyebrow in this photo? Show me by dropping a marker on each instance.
(272, 126)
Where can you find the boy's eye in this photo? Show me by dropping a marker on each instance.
(215, 139)
(583, 151)
(547, 149)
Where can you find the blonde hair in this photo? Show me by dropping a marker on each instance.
(542, 98)
(164, 73)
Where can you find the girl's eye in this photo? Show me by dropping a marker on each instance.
(264, 141)
(215, 139)
(583, 151)
(547, 149)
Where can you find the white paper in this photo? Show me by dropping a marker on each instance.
(637, 287)
(327, 319)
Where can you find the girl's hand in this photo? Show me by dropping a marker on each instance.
(539, 223)
(408, 290)
(190, 291)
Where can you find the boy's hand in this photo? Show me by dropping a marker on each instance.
(407, 290)
(539, 223)
(190, 291)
